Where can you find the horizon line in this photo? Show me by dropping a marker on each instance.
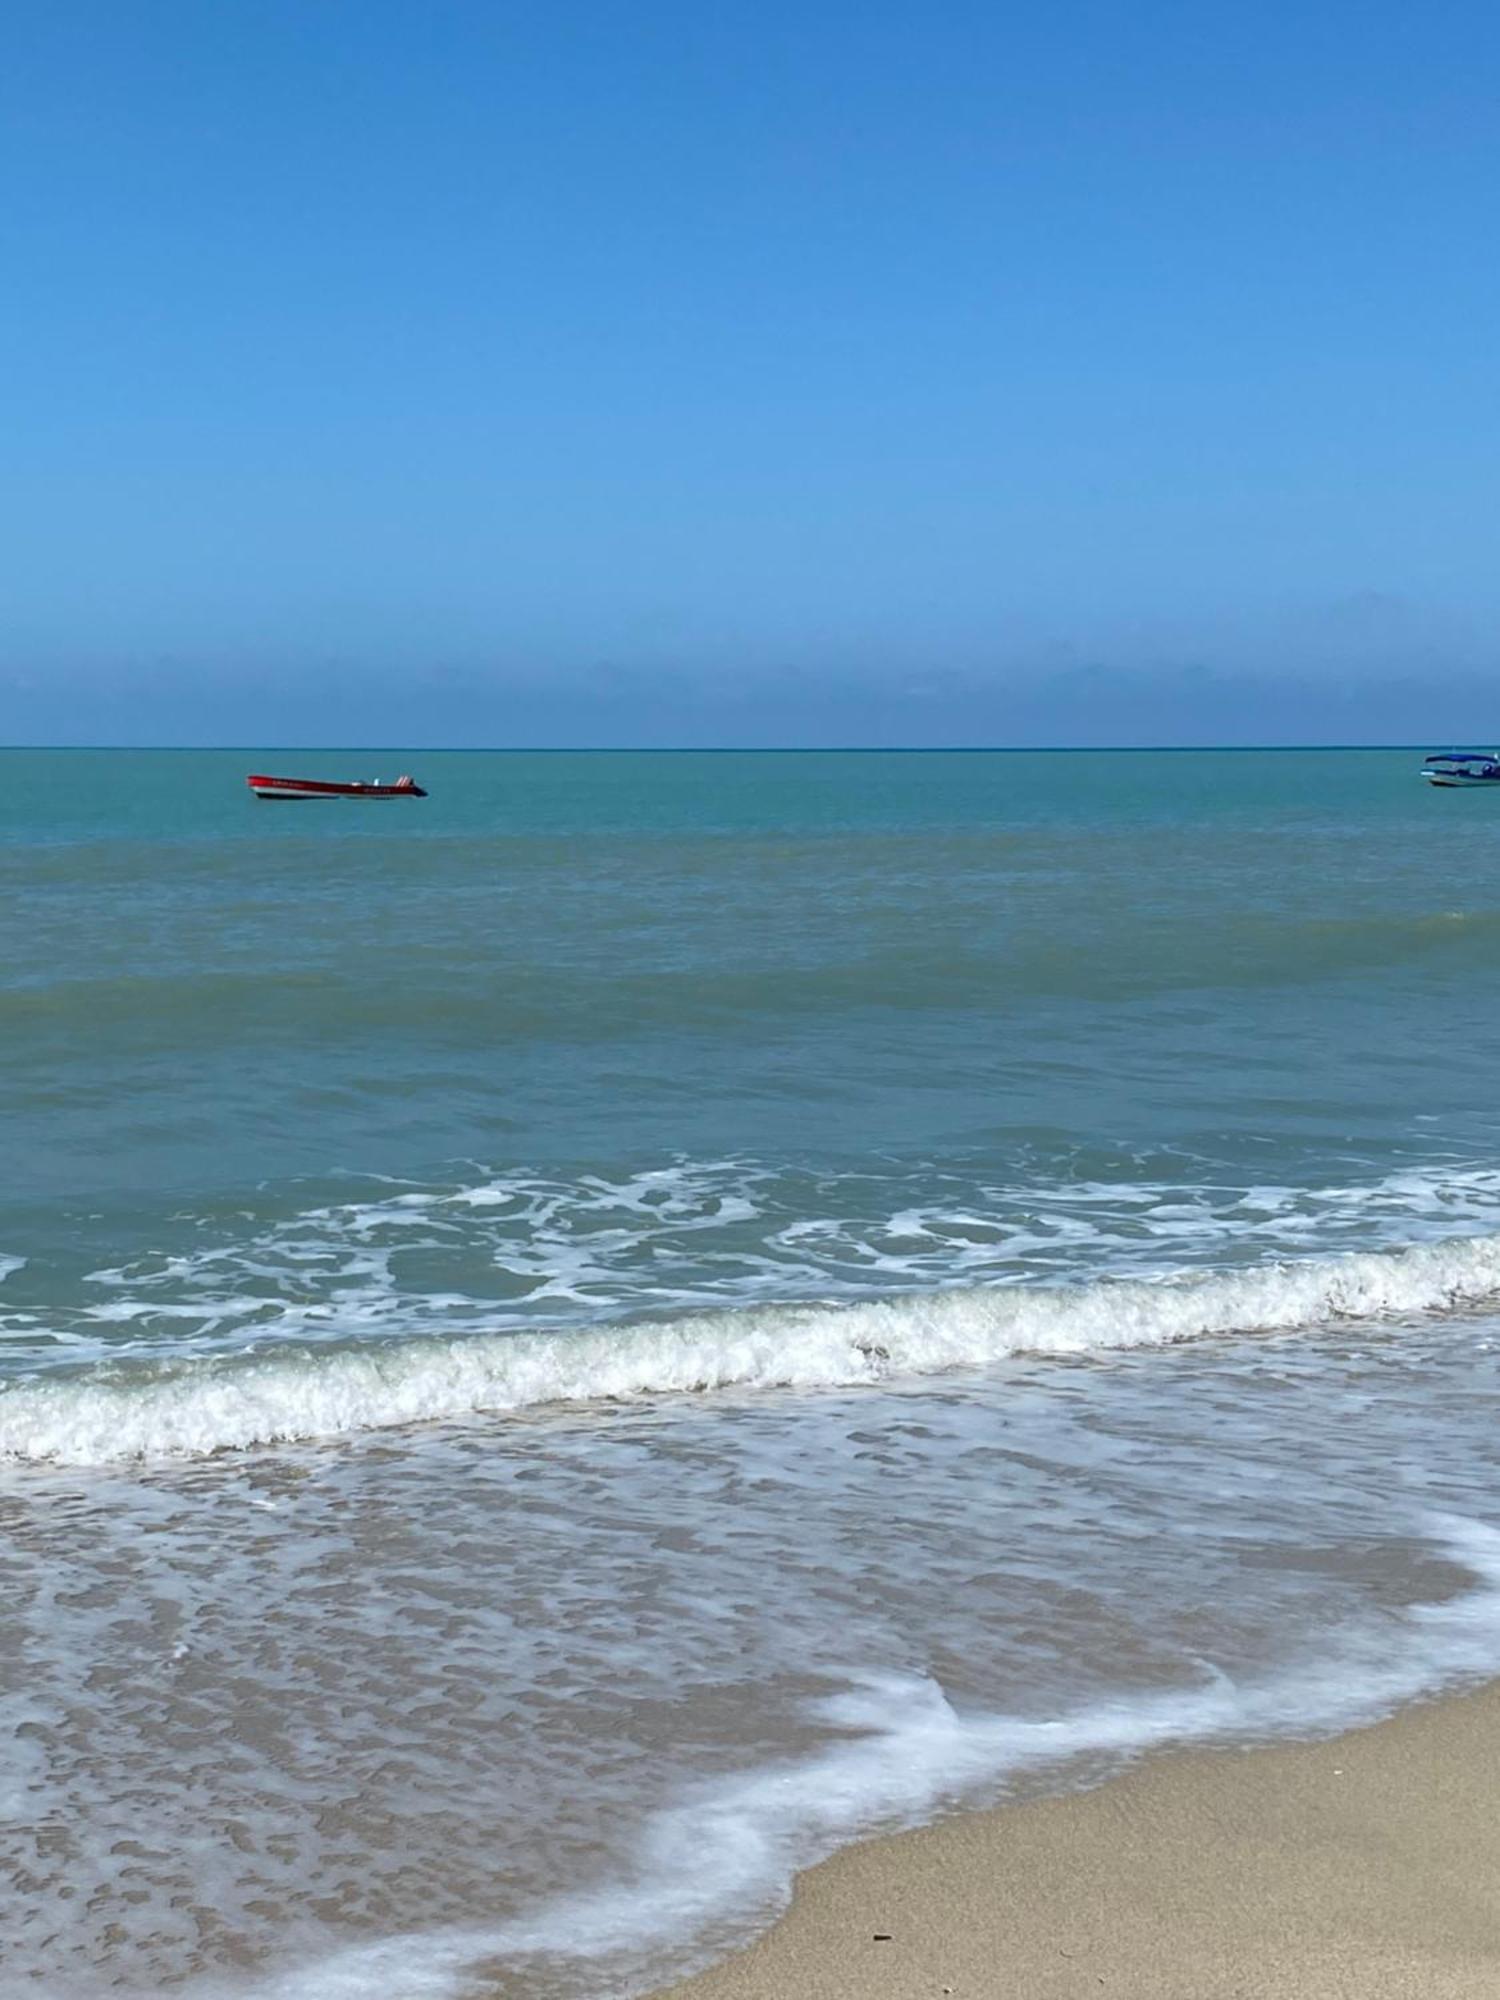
(716, 749)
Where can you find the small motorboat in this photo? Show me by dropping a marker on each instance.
(1462, 767)
(318, 788)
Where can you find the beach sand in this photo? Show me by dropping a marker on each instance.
(1366, 1867)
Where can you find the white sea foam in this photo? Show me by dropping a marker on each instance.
(208, 1403)
(520, 1251)
(905, 1753)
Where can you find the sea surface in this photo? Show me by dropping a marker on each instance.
(570, 1346)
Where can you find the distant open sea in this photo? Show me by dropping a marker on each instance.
(569, 1346)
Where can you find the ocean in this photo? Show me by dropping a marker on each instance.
(570, 1346)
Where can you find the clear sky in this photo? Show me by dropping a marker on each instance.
(761, 371)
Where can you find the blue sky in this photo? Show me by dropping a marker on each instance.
(398, 372)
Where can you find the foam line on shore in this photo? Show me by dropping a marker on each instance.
(723, 1859)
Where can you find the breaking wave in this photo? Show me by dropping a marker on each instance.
(120, 1410)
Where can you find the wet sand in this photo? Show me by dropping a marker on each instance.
(1365, 1868)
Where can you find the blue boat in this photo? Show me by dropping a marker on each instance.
(1462, 767)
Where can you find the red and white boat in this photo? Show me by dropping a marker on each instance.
(317, 788)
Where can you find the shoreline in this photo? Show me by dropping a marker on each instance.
(1362, 1867)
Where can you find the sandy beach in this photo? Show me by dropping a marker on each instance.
(1365, 1866)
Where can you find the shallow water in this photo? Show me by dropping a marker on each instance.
(570, 1345)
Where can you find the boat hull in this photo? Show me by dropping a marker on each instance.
(286, 790)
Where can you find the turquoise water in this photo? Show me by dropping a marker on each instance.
(568, 1345)
(1199, 971)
